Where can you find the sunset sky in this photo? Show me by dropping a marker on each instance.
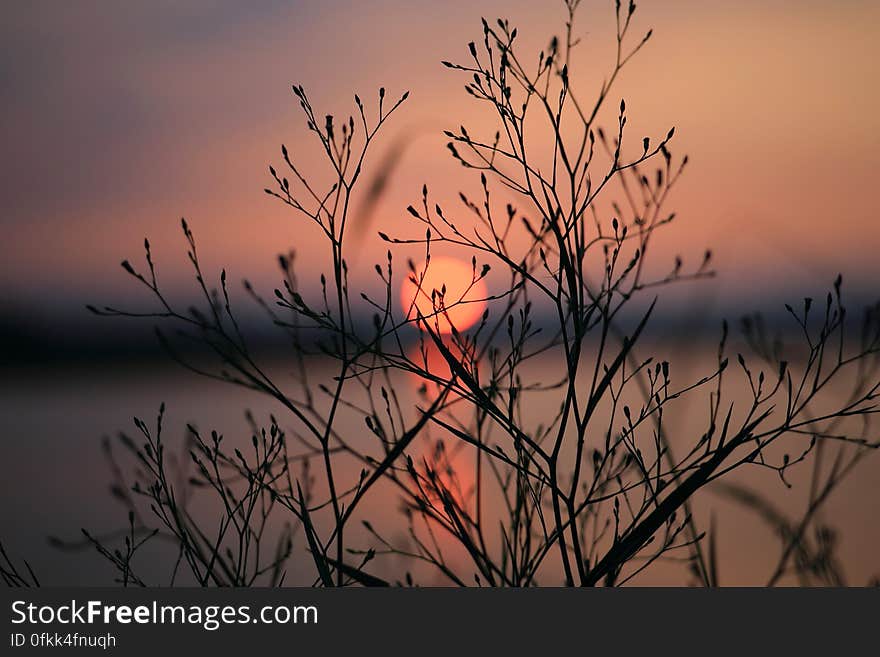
(117, 119)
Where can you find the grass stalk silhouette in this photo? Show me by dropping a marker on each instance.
(589, 493)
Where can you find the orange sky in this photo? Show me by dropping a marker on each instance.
(118, 121)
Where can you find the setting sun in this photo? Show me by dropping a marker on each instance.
(464, 300)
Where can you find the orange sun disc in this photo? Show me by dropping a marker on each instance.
(462, 304)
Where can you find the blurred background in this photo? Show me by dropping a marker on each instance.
(119, 118)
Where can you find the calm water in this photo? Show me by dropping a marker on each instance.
(56, 480)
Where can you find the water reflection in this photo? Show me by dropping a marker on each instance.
(53, 423)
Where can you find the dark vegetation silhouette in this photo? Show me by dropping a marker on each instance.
(573, 480)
